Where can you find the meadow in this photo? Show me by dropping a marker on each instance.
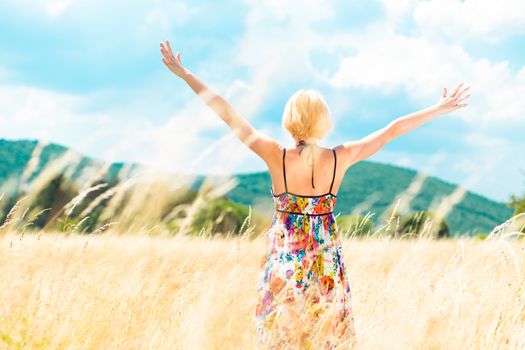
(139, 263)
(111, 291)
(133, 217)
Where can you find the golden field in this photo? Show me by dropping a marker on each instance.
(110, 291)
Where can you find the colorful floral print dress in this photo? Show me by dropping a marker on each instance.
(304, 299)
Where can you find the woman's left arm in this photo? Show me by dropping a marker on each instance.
(264, 146)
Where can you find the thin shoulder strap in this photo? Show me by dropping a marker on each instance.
(335, 165)
(284, 170)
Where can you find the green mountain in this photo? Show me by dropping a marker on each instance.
(15, 155)
(379, 185)
(375, 184)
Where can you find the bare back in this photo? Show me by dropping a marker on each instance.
(294, 168)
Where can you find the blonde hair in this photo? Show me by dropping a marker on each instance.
(306, 115)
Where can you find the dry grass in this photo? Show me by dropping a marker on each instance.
(138, 292)
(147, 289)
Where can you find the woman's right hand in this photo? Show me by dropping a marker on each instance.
(453, 101)
(173, 63)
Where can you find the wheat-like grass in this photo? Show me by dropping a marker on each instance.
(108, 290)
(114, 291)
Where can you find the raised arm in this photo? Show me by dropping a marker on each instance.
(355, 151)
(264, 146)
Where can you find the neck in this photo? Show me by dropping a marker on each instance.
(306, 141)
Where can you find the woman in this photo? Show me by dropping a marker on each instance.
(304, 296)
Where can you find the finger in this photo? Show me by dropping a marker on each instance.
(166, 54)
(163, 49)
(459, 96)
(463, 91)
(462, 105)
(456, 90)
(167, 63)
(169, 47)
(178, 56)
(444, 92)
(462, 98)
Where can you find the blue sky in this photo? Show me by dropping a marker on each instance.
(89, 75)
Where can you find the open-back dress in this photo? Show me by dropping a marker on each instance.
(304, 299)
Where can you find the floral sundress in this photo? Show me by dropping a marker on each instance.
(304, 299)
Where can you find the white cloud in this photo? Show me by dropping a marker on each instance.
(187, 141)
(162, 16)
(496, 144)
(480, 19)
(29, 108)
(34, 113)
(57, 7)
(276, 46)
(388, 61)
(53, 8)
(455, 20)
(422, 63)
(300, 13)
(396, 10)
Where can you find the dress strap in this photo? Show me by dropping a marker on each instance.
(284, 170)
(335, 165)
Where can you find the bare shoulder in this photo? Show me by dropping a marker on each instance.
(272, 150)
(346, 154)
(265, 147)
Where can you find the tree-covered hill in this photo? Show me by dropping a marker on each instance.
(15, 155)
(368, 186)
(379, 185)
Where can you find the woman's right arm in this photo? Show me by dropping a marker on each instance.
(354, 151)
(264, 146)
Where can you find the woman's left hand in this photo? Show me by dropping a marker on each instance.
(453, 101)
(173, 63)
